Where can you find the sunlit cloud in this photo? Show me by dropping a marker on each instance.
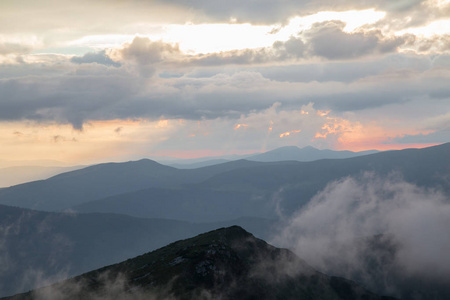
(438, 3)
(210, 38)
(240, 80)
(270, 127)
(288, 133)
(436, 28)
(162, 124)
(323, 113)
(237, 126)
(352, 19)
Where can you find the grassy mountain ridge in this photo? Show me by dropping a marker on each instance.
(39, 247)
(228, 263)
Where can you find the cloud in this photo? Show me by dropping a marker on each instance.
(73, 98)
(227, 84)
(441, 136)
(329, 232)
(95, 57)
(96, 92)
(435, 44)
(265, 11)
(235, 57)
(20, 271)
(146, 54)
(271, 11)
(329, 40)
(261, 130)
(107, 286)
(13, 48)
(59, 138)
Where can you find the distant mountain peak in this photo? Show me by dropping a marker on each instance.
(309, 147)
(308, 153)
(285, 148)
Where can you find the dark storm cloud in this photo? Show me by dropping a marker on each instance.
(95, 57)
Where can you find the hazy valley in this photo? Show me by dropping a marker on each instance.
(378, 219)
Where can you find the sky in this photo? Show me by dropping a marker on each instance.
(89, 81)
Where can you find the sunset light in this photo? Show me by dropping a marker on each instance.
(226, 80)
(224, 149)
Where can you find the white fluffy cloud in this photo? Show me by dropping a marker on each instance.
(414, 222)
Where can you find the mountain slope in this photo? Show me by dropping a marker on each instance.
(20, 174)
(38, 247)
(227, 263)
(64, 190)
(305, 154)
(99, 181)
(268, 189)
(185, 203)
(294, 183)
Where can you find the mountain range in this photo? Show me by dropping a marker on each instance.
(148, 189)
(106, 213)
(17, 172)
(279, 154)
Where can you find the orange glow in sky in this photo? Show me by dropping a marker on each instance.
(237, 126)
(288, 133)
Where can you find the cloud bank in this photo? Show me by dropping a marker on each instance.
(387, 233)
(384, 69)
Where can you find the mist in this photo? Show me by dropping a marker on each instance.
(384, 232)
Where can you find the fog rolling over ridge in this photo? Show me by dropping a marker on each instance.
(379, 219)
(228, 263)
(390, 235)
(38, 248)
(147, 146)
